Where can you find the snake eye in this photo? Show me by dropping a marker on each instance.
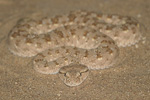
(80, 74)
(65, 74)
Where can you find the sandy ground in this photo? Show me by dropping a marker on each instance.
(129, 79)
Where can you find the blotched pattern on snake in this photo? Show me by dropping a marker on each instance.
(74, 43)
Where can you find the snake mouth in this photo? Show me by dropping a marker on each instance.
(73, 82)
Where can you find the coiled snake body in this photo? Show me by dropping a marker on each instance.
(74, 43)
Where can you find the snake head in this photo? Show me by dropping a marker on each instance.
(73, 75)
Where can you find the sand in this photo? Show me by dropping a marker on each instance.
(128, 79)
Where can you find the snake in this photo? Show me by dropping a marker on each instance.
(73, 44)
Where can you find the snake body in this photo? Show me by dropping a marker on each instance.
(72, 44)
